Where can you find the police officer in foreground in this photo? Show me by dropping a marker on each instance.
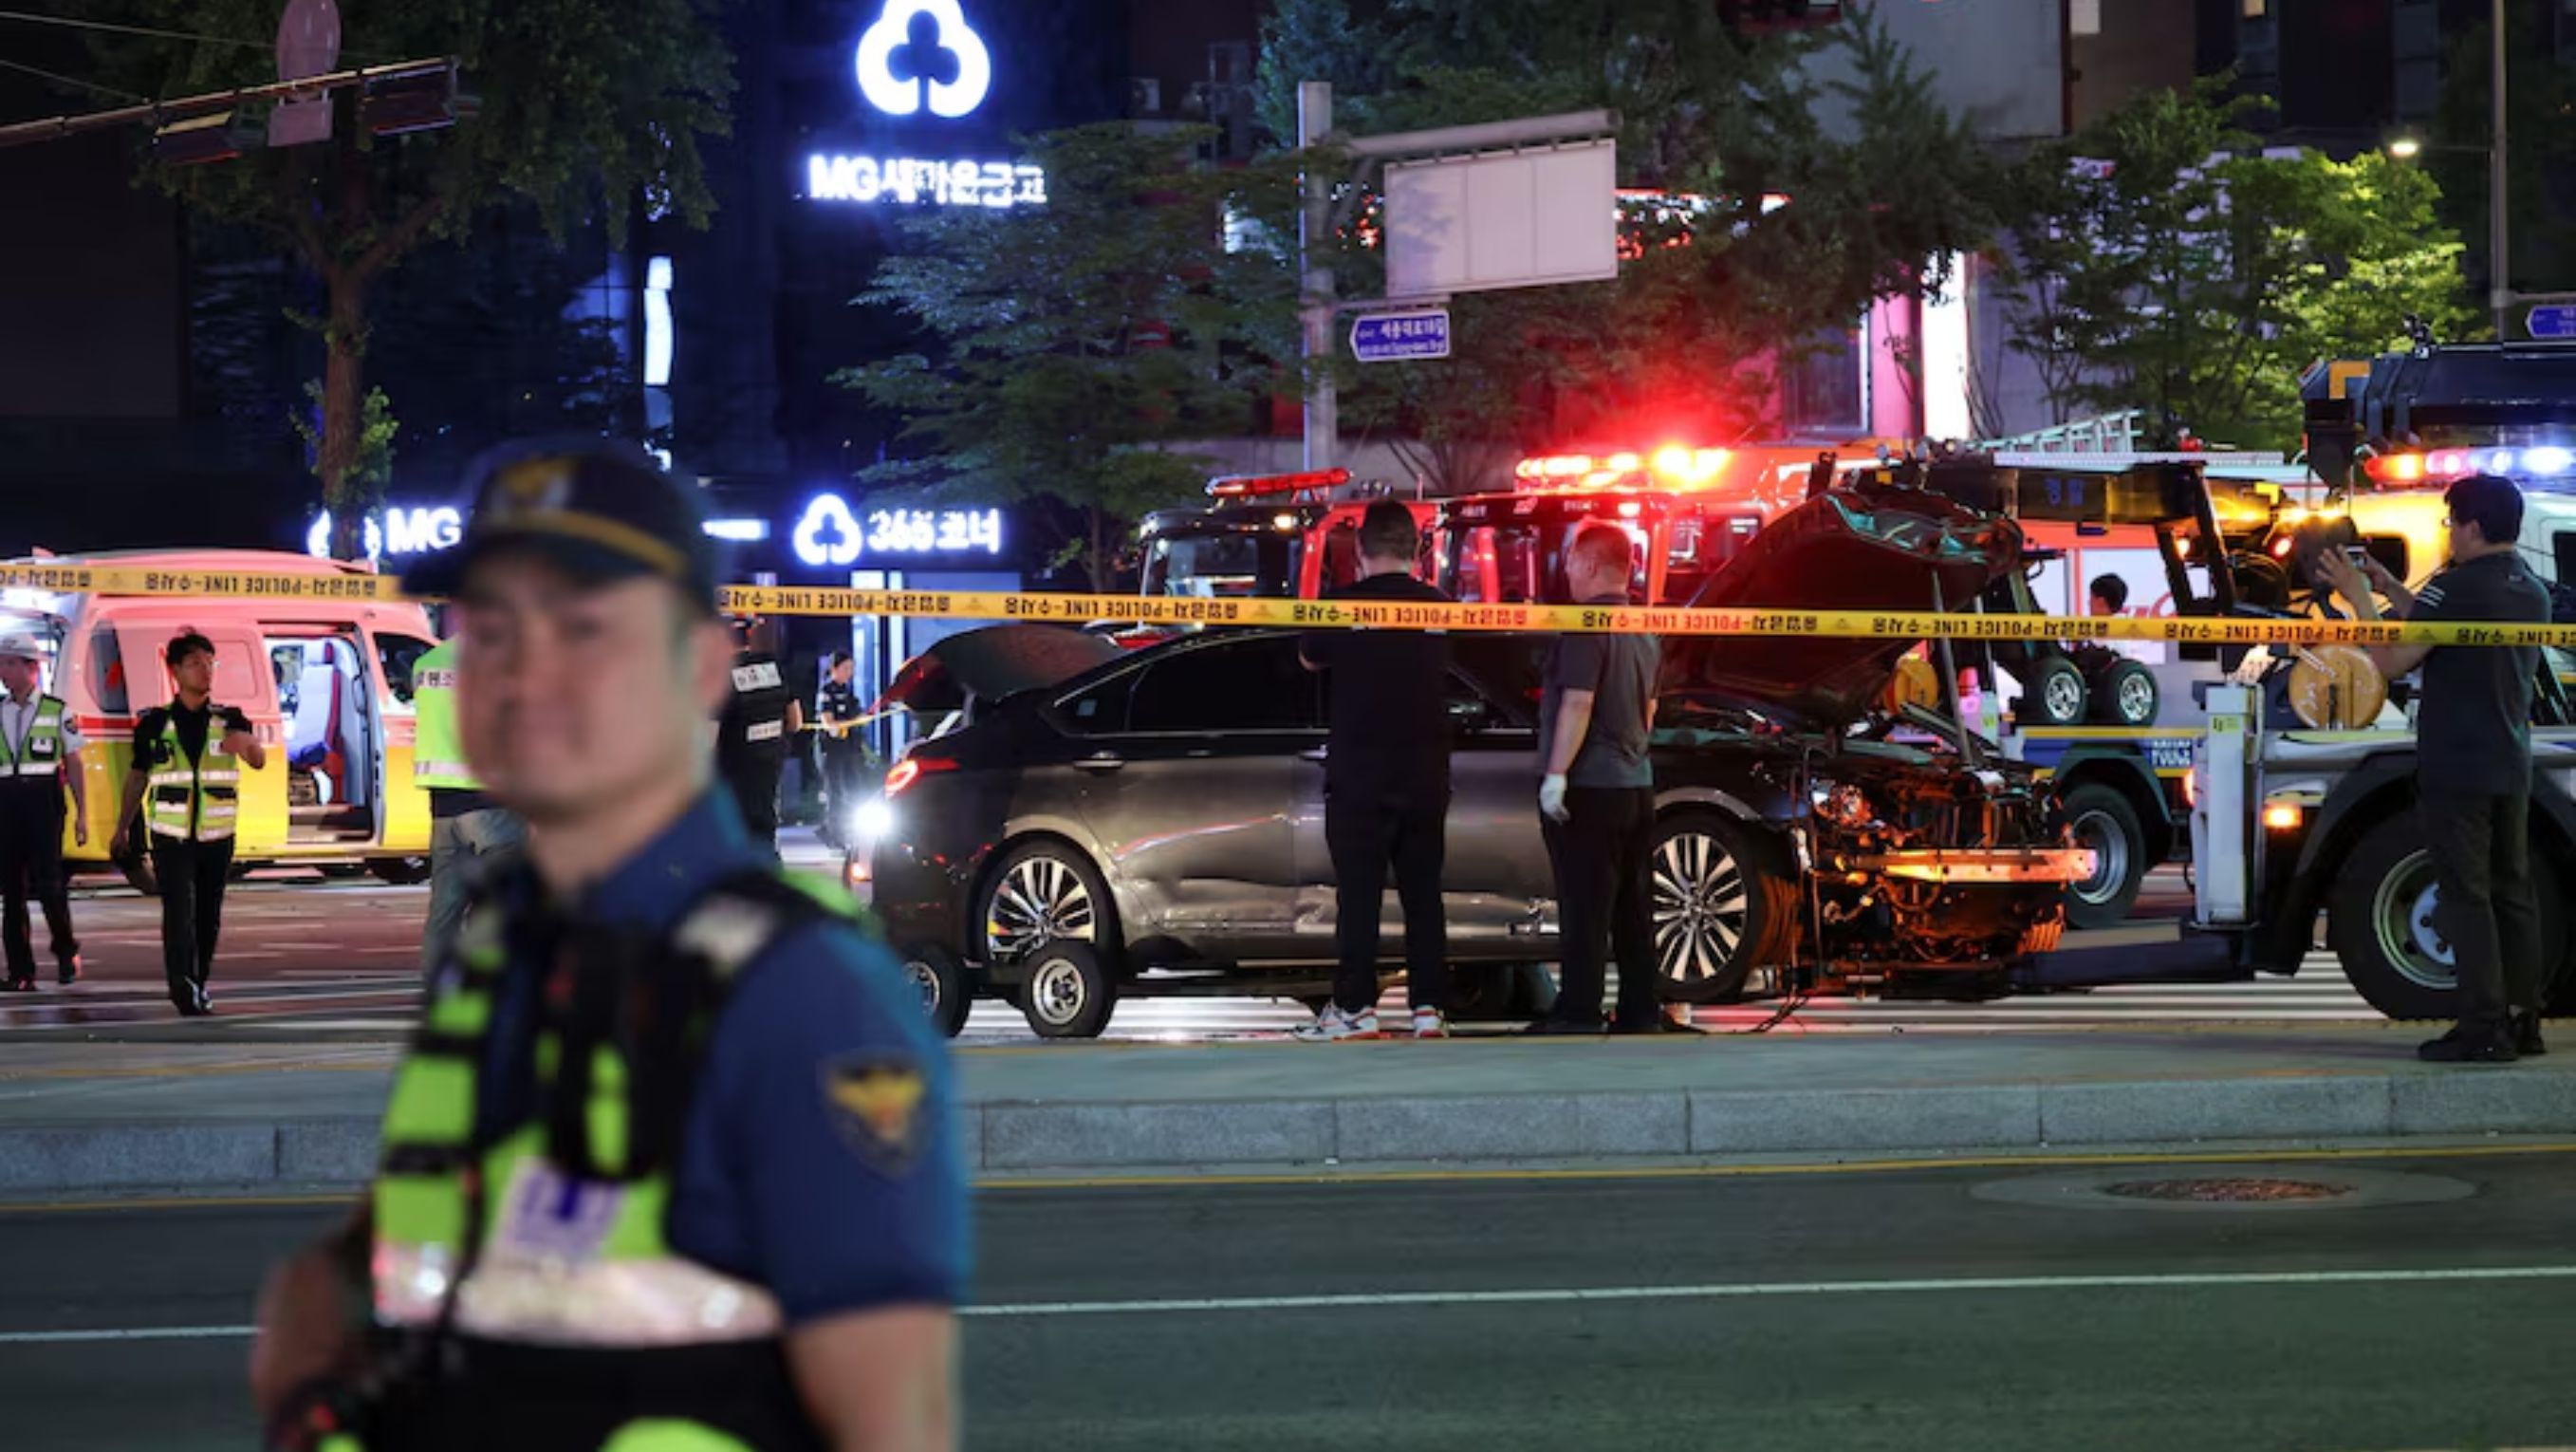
(671, 1165)
(2473, 763)
(39, 754)
(468, 832)
(761, 716)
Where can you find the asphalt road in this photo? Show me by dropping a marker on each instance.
(1892, 1308)
(307, 958)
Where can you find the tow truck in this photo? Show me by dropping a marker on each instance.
(2303, 799)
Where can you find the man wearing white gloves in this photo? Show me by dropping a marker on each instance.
(1597, 798)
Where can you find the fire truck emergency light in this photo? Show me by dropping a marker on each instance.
(1255, 486)
(2545, 461)
(1673, 467)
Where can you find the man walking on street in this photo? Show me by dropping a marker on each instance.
(843, 756)
(2473, 764)
(468, 831)
(190, 755)
(672, 1165)
(1597, 796)
(39, 756)
(1386, 786)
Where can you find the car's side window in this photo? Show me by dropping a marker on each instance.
(1100, 710)
(1253, 684)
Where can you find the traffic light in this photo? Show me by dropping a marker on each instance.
(1755, 17)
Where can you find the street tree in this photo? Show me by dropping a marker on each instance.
(1072, 349)
(588, 110)
(2168, 268)
(1722, 284)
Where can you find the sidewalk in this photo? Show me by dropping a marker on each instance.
(78, 1118)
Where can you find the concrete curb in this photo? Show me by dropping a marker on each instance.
(1028, 1137)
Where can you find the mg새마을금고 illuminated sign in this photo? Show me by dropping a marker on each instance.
(922, 59)
(919, 181)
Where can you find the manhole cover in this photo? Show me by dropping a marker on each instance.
(2241, 1190)
(2253, 1189)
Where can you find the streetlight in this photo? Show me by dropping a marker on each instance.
(2405, 148)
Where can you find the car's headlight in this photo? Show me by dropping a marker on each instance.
(872, 820)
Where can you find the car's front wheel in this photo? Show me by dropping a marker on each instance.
(1722, 906)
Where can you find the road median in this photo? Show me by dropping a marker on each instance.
(126, 1124)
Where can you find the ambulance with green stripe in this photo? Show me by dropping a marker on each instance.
(327, 685)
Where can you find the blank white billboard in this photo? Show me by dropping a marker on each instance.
(1512, 219)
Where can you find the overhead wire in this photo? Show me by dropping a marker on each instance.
(62, 80)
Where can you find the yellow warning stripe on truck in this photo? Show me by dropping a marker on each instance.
(1068, 609)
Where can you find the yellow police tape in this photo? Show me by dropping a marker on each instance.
(1324, 614)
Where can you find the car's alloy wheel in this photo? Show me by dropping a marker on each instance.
(1702, 907)
(1717, 906)
(2062, 692)
(1038, 899)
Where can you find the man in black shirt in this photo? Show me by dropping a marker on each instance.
(761, 716)
(193, 774)
(2473, 764)
(842, 755)
(1386, 787)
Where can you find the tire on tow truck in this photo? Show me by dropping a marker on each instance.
(2102, 818)
(2054, 692)
(2125, 694)
(2379, 923)
(947, 995)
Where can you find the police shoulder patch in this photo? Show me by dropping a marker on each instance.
(880, 1102)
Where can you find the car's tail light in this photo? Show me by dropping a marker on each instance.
(912, 769)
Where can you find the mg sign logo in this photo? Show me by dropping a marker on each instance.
(923, 51)
(402, 532)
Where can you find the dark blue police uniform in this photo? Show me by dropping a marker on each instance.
(777, 1184)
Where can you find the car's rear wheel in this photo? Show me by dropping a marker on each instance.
(1721, 907)
(1068, 995)
(2101, 819)
(941, 980)
(2381, 923)
(1041, 893)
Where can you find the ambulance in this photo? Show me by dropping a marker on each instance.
(326, 685)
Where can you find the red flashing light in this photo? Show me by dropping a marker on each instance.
(1672, 466)
(1255, 486)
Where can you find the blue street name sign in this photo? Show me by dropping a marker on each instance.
(2552, 320)
(1394, 337)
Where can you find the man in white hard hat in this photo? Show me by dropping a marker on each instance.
(39, 753)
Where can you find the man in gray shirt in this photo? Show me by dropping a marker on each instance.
(2473, 764)
(1597, 800)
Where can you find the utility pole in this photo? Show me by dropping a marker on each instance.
(2499, 251)
(1315, 275)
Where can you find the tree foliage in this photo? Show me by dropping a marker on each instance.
(1077, 344)
(2165, 269)
(585, 106)
(1720, 288)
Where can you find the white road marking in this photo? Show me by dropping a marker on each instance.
(1734, 1290)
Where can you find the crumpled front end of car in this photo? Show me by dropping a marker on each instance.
(1929, 863)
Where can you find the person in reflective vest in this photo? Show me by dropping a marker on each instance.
(468, 832)
(39, 755)
(761, 716)
(671, 1165)
(189, 757)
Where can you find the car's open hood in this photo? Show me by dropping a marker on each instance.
(990, 663)
(1860, 546)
